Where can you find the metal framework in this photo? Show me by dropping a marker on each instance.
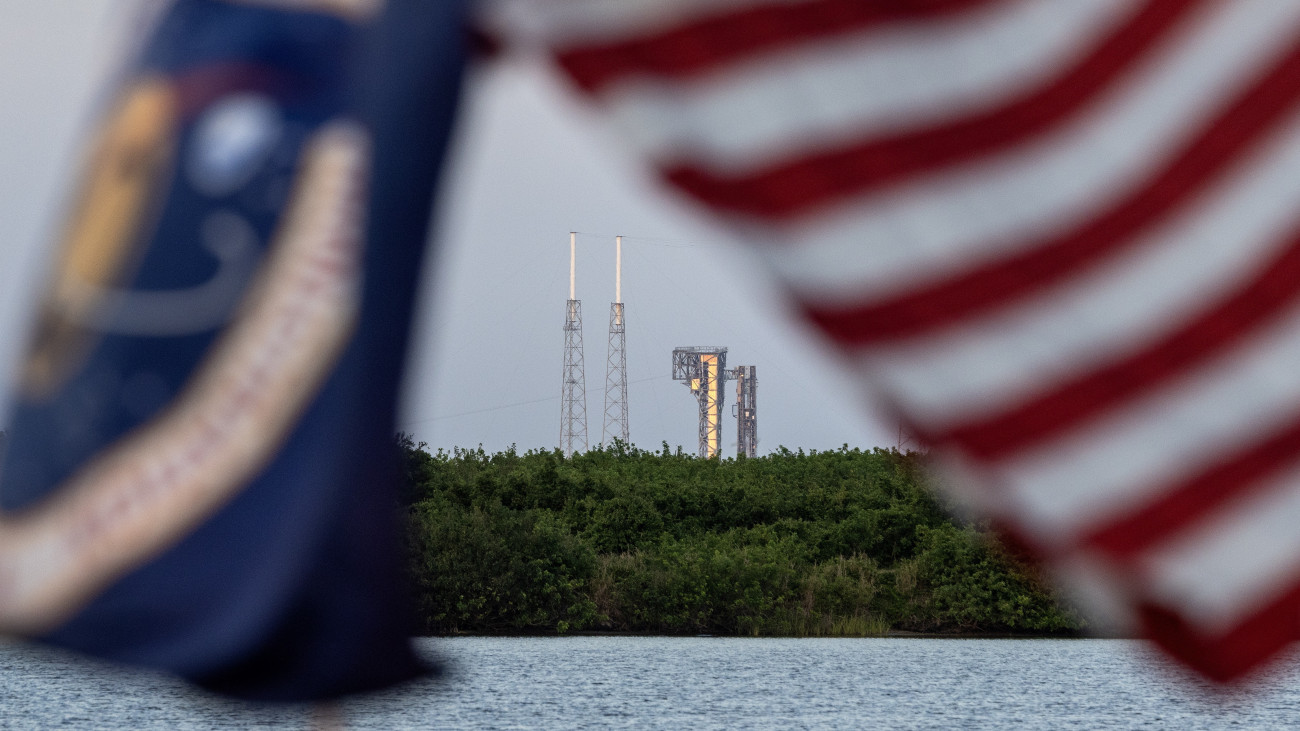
(704, 369)
(573, 392)
(615, 424)
(746, 410)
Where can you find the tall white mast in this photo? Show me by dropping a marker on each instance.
(615, 424)
(573, 388)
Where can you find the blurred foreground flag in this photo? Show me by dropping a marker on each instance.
(1060, 239)
(199, 474)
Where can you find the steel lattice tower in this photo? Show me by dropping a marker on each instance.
(573, 392)
(615, 426)
(704, 369)
(746, 409)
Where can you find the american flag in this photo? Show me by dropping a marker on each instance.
(1060, 239)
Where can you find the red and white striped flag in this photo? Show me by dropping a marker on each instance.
(1061, 238)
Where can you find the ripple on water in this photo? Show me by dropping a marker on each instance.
(692, 682)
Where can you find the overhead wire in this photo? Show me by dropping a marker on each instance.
(661, 241)
(499, 407)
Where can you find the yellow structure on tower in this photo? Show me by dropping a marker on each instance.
(704, 370)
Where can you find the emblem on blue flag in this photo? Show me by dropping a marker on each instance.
(198, 475)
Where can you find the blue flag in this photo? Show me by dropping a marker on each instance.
(199, 475)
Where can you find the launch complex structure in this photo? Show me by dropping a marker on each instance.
(573, 391)
(703, 369)
(615, 425)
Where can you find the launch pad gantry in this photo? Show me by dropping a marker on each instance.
(704, 369)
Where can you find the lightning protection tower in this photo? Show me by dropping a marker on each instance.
(615, 425)
(704, 369)
(573, 393)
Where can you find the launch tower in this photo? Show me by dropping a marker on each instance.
(704, 370)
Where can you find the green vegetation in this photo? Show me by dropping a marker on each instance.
(826, 543)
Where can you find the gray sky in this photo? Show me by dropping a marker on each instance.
(530, 164)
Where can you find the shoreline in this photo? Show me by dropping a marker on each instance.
(897, 634)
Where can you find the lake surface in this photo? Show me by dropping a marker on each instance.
(695, 683)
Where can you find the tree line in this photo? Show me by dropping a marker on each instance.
(847, 542)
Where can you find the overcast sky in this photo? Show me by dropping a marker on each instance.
(530, 164)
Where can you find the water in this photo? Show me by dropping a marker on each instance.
(696, 683)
